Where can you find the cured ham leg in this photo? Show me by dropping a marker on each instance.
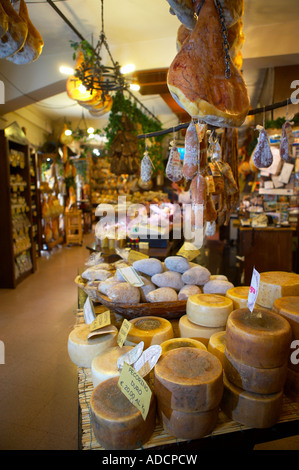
(15, 36)
(196, 78)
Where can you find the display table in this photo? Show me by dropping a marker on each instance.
(155, 252)
(266, 249)
(227, 434)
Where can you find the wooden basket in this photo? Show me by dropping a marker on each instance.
(168, 310)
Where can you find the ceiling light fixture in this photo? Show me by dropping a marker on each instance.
(66, 70)
(127, 69)
(134, 86)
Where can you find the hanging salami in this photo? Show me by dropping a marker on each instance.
(262, 156)
(198, 189)
(190, 164)
(174, 167)
(286, 140)
(146, 168)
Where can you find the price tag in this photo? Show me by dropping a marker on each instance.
(253, 290)
(188, 251)
(135, 256)
(88, 311)
(148, 360)
(131, 356)
(131, 276)
(123, 332)
(135, 388)
(103, 319)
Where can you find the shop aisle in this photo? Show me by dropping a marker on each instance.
(38, 382)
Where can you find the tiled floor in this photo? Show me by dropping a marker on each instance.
(38, 382)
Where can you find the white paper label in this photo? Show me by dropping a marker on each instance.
(131, 356)
(148, 360)
(253, 290)
(88, 312)
(131, 276)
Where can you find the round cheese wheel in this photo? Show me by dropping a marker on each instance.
(291, 388)
(251, 409)
(254, 379)
(188, 425)
(209, 310)
(175, 343)
(216, 345)
(188, 379)
(116, 423)
(82, 350)
(239, 296)
(259, 339)
(188, 329)
(288, 307)
(276, 284)
(104, 365)
(150, 330)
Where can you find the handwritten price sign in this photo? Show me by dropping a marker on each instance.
(253, 290)
(135, 388)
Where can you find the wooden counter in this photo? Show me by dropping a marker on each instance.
(266, 249)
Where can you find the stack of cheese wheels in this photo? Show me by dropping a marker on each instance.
(151, 330)
(175, 343)
(188, 384)
(104, 365)
(276, 284)
(239, 296)
(255, 366)
(206, 314)
(82, 349)
(216, 345)
(117, 424)
(288, 307)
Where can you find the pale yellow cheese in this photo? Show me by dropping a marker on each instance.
(188, 425)
(288, 307)
(175, 343)
(275, 284)
(187, 329)
(251, 409)
(239, 296)
(117, 424)
(210, 310)
(104, 365)
(82, 350)
(188, 379)
(151, 330)
(216, 345)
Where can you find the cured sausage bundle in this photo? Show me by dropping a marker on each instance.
(285, 141)
(146, 168)
(174, 167)
(191, 156)
(262, 156)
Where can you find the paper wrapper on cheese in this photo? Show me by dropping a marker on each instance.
(284, 141)
(146, 168)
(196, 77)
(190, 165)
(262, 156)
(174, 167)
(15, 36)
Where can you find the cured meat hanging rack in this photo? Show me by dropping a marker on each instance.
(184, 125)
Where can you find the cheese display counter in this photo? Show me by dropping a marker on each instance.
(235, 387)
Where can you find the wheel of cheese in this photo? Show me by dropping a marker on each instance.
(216, 345)
(210, 310)
(116, 423)
(150, 330)
(82, 350)
(188, 379)
(104, 365)
(251, 409)
(239, 296)
(187, 329)
(288, 307)
(184, 425)
(276, 284)
(254, 379)
(175, 343)
(259, 339)
(291, 388)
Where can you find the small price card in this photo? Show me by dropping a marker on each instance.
(123, 332)
(103, 319)
(188, 251)
(131, 276)
(88, 311)
(136, 255)
(253, 290)
(135, 388)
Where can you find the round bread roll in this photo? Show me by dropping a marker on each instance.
(146, 288)
(197, 275)
(188, 290)
(149, 266)
(162, 294)
(168, 279)
(177, 263)
(217, 287)
(124, 293)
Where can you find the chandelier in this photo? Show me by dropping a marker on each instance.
(94, 75)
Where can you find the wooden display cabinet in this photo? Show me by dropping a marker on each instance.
(17, 247)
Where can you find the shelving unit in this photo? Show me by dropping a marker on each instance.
(17, 246)
(35, 202)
